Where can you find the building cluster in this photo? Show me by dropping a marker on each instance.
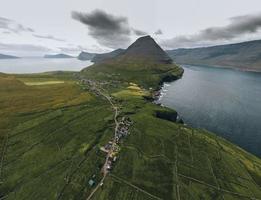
(123, 129)
(112, 147)
(90, 84)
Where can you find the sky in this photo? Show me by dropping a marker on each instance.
(34, 28)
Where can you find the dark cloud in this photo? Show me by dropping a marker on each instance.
(238, 26)
(139, 32)
(109, 30)
(49, 37)
(13, 26)
(158, 32)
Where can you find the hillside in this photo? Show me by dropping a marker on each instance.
(243, 56)
(146, 48)
(105, 56)
(59, 139)
(144, 62)
(58, 56)
(3, 56)
(86, 56)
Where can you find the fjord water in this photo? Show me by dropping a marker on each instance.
(224, 101)
(37, 65)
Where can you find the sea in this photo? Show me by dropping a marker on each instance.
(221, 100)
(37, 65)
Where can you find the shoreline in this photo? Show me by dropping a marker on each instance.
(223, 67)
(157, 93)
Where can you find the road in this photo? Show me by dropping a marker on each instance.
(104, 168)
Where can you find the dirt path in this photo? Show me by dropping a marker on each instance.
(134, 186)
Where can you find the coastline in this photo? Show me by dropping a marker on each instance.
(224, 67)
(158, 93)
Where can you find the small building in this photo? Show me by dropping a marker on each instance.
(104, 150)
(91, 182)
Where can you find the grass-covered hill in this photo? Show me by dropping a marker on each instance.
(52, 128)
(144, 62)
(53, 125)
(243, 56)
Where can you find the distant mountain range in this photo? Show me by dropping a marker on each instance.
(105, 56)
(58, 56)
(3, 56)
(243, 56)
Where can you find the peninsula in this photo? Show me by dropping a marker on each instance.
(98, 135)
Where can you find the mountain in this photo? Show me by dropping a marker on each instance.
(3, 56)
(86, 56)
(58, 56)
(105, 56)
(145, 48)
(243, 56)
(144, 61)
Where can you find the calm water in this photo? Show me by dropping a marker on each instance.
(227, 102)
(35, 65)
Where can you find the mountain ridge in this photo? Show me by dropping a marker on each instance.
(98, 58)
(4, 56)
(61, 55)
(86, 55)
(146, 48)
(243, 55)
(143, 61)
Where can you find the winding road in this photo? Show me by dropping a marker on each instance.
(104, 168)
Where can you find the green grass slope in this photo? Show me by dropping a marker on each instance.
(147, 74)
(49, 138)
(166, 160)
(51, 135)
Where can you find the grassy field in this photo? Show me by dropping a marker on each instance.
(166, 160)
(51, 134)
(50, 139)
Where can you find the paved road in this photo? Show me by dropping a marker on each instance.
(104, 168)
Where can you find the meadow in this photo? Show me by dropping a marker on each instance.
(51, 135)
(178, 162)
(50, 138)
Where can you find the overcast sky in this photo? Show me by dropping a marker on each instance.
(34, 28)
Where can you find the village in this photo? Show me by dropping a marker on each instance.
(112, 147)
(122, 129)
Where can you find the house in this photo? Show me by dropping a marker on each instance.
(104, 150)
(91, 182)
